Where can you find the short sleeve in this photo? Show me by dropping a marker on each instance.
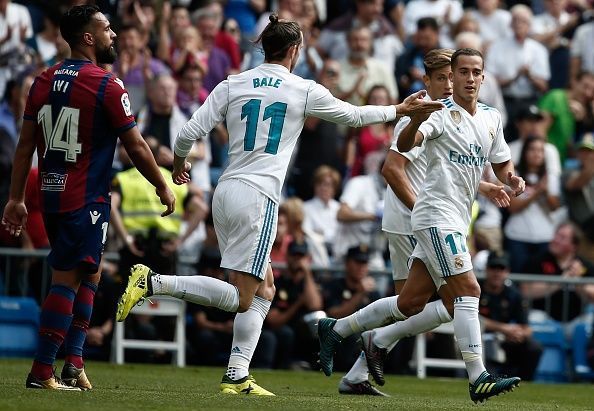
(433, 127)
(117, 107)
(499, 149)
(412, 154)
(351, 195)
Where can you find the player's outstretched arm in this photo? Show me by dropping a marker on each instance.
(143, 159)
(15, 212)
(416, 104)
(505, 172)
(410, 136)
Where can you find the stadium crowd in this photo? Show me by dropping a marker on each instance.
(171, 54)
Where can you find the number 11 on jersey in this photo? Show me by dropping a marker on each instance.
(275, 111)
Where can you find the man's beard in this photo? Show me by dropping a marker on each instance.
(106, 55)
(359, 55)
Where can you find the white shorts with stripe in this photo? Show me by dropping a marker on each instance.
(443, 251)
(245, 223)
(401, 248)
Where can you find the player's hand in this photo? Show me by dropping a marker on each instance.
(415, 104)
(167, 199)
(182, 176)
(497, 195)
(15, 217)
(516, 183)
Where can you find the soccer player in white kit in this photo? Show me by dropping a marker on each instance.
(405, 174)
(459, 141)
(265, 109)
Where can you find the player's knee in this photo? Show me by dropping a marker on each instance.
(245, 301)
(410, 306)
(267, 292)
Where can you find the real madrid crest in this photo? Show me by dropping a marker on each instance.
(491, 134)
(456, 116)
(458, 262)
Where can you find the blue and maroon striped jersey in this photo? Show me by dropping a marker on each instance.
(80, 109)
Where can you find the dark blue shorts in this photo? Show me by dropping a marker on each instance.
(77, 237)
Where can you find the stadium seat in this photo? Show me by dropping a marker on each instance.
(424, 362)
(552, 366)
(157, 306)
(19, 321)
(581, 336)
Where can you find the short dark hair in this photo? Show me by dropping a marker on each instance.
(466, 52)
(278, 37)
(75, 21)
(428, 23)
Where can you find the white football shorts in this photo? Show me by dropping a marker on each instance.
(444, 252)
(401, 247)
(245, 222)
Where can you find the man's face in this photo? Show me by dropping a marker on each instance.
(585, 87)
(370, 10)
(360, 43)
(191, 82)
(330, 75)
(496, 276)
(129, 41)
(531, 127)
(104, 40)
(520, 25)
(297, 263)
(562, 243)
(180, 17)
(163, 92)
(467, 77)
(439, 83)
(356, 270)
(324, 189)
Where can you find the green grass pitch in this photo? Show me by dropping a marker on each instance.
(164, 388)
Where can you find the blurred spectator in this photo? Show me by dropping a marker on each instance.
(386, 45)
(369, 139)
(531, 224)
(188, 51)
(409, 67)
(344, 296)
(579, 188)
(208, 22)
(360, 213)
(494, 22)
(490, 92)
(560, 259)
(321, 211)
(191, 93)
(467, 23)
(297, 294)
(49, 43)
(141, 14)
(530, 123)
(487, 229)
(134, 65)
(520, 65)
(569, 112)
(321, 142)
(245, 12)
(360, 72)
(174, 19)
(300, 233)
(552, 29)
(582, 58)
(286, 9)
(15, 28)
(445, 12)
(148, 238)
(504, 312)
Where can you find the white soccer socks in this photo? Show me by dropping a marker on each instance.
(197, 289)
(432, 316)
(376, 314)
(247, 328)
(467, 329)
